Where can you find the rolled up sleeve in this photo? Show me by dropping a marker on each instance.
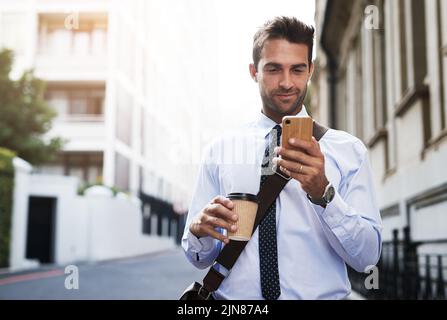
(351, 221)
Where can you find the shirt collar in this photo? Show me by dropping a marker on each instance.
(266, 124)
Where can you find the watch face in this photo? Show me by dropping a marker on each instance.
(330, 194)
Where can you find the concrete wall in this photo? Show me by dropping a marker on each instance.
(115, 228)
(93, 227)
(19, 219)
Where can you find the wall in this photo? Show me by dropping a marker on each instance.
(93, 227)
(19, 217)
(408, 147)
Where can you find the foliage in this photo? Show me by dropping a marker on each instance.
(25, 116)
(6, 194)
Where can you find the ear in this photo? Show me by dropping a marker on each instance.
(253, 72)
(311, 71)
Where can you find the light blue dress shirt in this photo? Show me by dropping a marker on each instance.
(314, 244)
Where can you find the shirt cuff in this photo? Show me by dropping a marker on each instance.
(334, 212)
(334, 216)
(203, 245)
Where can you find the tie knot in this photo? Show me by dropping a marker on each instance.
(277, 128)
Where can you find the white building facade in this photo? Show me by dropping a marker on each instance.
(382, 76)
(122, 110)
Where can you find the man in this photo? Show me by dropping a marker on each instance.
(325, 217)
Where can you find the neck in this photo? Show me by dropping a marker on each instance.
(277, 117)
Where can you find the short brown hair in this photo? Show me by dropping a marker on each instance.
(288, 28)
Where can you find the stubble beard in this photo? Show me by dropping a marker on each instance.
(268, 102)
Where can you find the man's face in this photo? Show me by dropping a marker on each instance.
(283, 73)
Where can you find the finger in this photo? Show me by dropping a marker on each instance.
(307, 146)
(223, 201)
(300, 177)
(216, 222)
(292, 166)
(214, 234)
(218, 210)
(295, 155)
(316, 143)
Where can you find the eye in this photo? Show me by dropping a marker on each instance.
(272, 68)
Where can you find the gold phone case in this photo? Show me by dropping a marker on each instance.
(297, 128)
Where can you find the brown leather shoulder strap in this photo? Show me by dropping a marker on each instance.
(267, 194)
(319, 131)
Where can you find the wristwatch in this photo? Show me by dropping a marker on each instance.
(328, 195)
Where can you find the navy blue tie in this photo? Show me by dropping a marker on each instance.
(268, 250)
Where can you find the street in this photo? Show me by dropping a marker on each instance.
(161, 275)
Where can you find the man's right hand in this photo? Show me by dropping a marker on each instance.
(217, 214)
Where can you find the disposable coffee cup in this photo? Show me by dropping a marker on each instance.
(245, 206)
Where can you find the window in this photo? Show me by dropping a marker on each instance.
(13, 32)
(58, 42)
(341, 116)
(160, 187)
(354, 112)
(140, 178)
(77, 102)
(58, 100)
(80, 42)
(144, 73)
(86, 102)
(124, 116)
(402, 49)
(358, 91)
(126, 57)
(87, 166)
(142, 130)
(379, 67)
(413, 55)
(437, 66)
(391, 79)
(442, 40)
(89, 37)
(374, 79)
(122, 167)
(398, 21)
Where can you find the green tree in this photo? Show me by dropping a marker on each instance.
(6, 194)
(24, 115)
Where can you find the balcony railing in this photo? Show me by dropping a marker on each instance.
(80, 118)
(161, 218)
(405, 274)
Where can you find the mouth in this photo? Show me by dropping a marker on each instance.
(287, 95)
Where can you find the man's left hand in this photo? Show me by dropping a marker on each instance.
(304, 162)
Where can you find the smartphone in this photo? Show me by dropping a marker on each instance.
(297, 128)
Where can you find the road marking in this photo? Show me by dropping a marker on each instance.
(32, 276)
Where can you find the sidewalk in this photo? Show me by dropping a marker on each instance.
(162, 275)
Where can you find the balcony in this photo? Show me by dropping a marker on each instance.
(80, 119)
(74, 52)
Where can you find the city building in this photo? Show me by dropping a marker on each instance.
(381, 75)
(120, 77)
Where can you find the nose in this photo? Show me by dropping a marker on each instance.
(286, 81)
